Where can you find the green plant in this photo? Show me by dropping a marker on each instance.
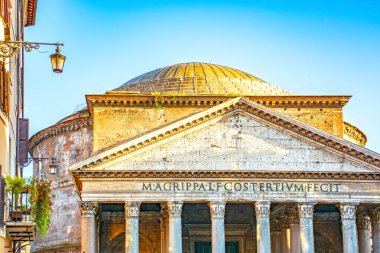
(41, 202)
(15, 185)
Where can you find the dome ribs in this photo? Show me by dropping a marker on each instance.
(200, 78)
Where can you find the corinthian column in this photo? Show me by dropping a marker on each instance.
(294, 225)
(217, 210)
(276, 230)
(306, 227)
(89, 239)
(262, 210)
(350, 238)
(175, 227)
(132, 211)
(375, 225)
(285, 233)
(364, 233)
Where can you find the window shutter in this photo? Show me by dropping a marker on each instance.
(23, 136)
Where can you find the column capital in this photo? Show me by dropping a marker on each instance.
(347, 211)
(174, 209)
(283, 221)
(293, 215)
(375, 215)
(363, 222)
(132, 209)
(306, 210)
(275, 224)
(262, 209)
(217, 209)
(88, 209)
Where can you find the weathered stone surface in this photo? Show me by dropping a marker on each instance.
(115, 124)
(65, 227)
(238, 143)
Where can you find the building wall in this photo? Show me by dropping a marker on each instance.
(65, 226)
(11, 28)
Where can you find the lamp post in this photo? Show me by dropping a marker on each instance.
(10, 48)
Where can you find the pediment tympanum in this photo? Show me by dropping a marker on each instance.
(237, 135)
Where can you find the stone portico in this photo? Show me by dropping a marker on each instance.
(171, 163)
(219, 159)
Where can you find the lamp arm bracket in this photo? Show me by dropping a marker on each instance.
(9, 48)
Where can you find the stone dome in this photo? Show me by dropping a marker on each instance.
(200, 78)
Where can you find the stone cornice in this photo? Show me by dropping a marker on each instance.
(354, 133)
(277, 120)
(129, 99)
(59, 128)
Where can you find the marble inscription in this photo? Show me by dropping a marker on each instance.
(252, 186)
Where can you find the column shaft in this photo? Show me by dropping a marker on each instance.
(364, 233)
(285, 240)
(306, 227)
(262, 210)
(89, 238)
(375, 226)
(294, 225)
(350, 238)
(295, 246)
(175, 227)
(132, 211)
(277, 242)
(217, 210)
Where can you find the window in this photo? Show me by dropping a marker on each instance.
(205, 247)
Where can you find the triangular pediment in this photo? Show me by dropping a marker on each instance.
(237, 135)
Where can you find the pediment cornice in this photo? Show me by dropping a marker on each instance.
(272, 118)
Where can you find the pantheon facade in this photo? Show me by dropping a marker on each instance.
(200, 158)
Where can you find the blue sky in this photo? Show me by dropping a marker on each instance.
(306, 47)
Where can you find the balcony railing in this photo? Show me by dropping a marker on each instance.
(19, 225)
(19, 208)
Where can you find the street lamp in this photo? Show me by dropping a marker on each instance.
(10, 48)
(57, 61)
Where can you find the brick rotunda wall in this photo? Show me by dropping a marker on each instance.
(65, 227)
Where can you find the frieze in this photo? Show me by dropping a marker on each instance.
(217, 209)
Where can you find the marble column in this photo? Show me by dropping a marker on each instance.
(217, 210)
(364, 233)
(285, 233)
(375, 225)
(132, 211)
(89, 237)
(306, 211)
(175, 227)
(262, 209)
(276, 231)
(164, 228)
(294, 225)
(350, 237)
